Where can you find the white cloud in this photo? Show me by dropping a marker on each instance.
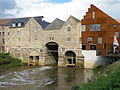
(51, 11)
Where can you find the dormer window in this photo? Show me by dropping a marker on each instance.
(93, 14)
(14, 25)
(19, 24)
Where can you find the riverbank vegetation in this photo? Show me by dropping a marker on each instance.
(7, 61)
(105, 78)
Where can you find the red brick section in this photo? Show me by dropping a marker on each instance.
(4, 21)
(107, 30)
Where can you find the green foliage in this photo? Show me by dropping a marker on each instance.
(7, 61)
(109, 81)
(97, 69)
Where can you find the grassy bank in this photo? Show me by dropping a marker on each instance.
(105, 78)
(6, 61)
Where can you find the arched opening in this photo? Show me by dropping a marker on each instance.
(30, 60)
(36, 60)
(52, 51)
(71, 57)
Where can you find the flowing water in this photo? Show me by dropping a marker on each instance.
(43, 78)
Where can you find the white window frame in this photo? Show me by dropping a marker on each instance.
(90, 40)
(19, 24)
(99, 40)
(117, 34)
(95, 27)
(83, 28)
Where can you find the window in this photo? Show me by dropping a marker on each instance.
(68, 28)
(36, 37)
(105, 46)
(68, 39)
(83, 47)
(83, 28)
(3, 34)
(35, 28)
(19, 24)
(3, 41)
(94, 27)
(117, 34)
(89, 39)
(80, 39)
(51, 38)
(93, 15)
(0, 33)
(14, 25)
(92, 47)
(8, 33)
(99, 40)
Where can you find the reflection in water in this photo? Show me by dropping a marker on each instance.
(43, 78)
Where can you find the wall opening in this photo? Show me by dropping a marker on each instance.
(71, 57)
(30, 60)
(52, 51)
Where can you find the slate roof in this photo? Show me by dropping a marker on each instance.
(4, 21)
(55, 25)
(26, 19)
(77, 20)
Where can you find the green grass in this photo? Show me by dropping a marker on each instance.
(106, 79)
(6, 61)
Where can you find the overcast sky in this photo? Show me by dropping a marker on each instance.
(52, 9)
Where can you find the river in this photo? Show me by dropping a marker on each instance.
(43, 78)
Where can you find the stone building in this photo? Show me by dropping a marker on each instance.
(37, 42)
(2, 29)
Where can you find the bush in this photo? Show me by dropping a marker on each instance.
(7, 61)
(109, 82)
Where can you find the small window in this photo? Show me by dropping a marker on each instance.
(83, 28)
(68, 28)
(105, 46)
(93, 15)
(68, 39)
(3, 34)
(63, 49)
(117, 34)
(51, 38)
(99, 40)
(8, 33)
(80, 39)
(36, 37)
(36, 28)
(3, 41)
(14, 25)
(83, 47)
(92, 47)
(89, 39)
(19, 24)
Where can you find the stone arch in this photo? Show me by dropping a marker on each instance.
(70, 57)
(52, 52)
(34, 58)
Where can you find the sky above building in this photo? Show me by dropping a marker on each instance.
(52, 9)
